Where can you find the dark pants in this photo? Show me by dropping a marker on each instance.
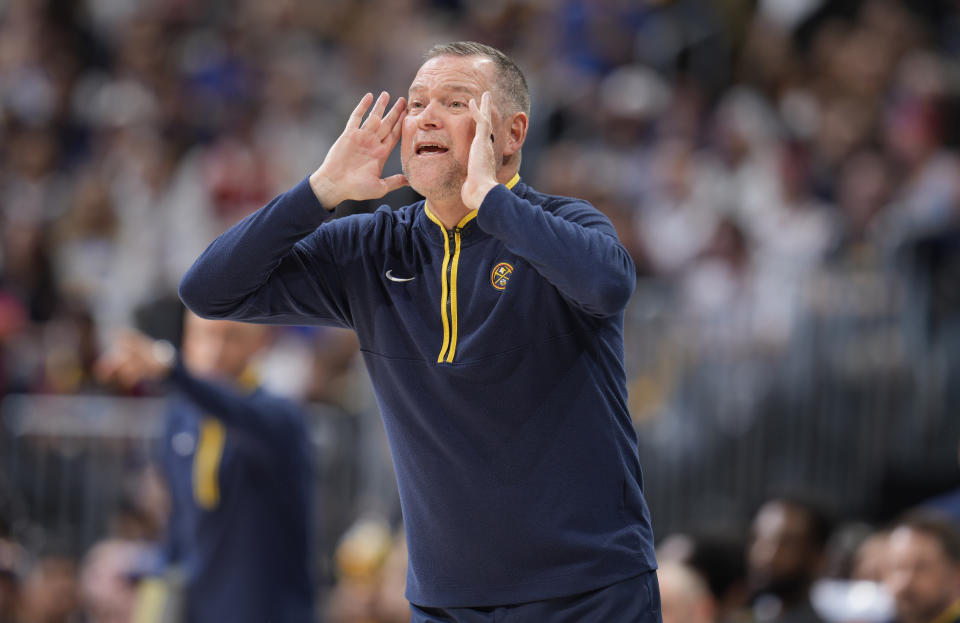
(635, 600)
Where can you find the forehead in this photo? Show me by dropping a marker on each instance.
(471, 73)
(776, 519)
(905, 542)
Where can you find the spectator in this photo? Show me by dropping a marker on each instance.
(107, 584)
(684, 595)
(717, 557)
(924, 569)
(11, 559)
(784, 557)
(871, 560)
(49, 593)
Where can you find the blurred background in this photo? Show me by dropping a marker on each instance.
(784, 173)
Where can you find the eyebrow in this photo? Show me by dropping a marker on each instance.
(456, 88)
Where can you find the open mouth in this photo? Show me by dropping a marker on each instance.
(428, 149)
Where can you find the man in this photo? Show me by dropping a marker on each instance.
(490, 317)
(684, 594)
(923, 554)
(107, 589)
(784, 557)
(237, 462)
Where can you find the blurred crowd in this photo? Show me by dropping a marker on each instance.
(740, 147)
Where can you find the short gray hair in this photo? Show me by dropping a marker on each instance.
(510, 80)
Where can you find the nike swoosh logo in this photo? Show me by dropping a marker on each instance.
(400, 279)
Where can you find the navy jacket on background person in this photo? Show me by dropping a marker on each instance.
(239, 470)
(496, 354)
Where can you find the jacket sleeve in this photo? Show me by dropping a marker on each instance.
(272, 267)
(574, 247)
(262, 416)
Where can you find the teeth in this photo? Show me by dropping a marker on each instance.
(430, 146)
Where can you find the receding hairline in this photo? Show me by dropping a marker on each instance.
(934, 526)
(509, 78)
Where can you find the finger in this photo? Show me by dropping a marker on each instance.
(483, 123)
(132, 373)
(394, 182)
(105, 368)
(357, 114)
(397, 130)
(481, 114)
(393, 117)
(375, 117)
(120, 375)
(475, 111)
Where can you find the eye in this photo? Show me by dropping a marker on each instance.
(415, 104)
(458, 104)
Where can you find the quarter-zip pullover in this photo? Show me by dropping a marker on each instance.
(496, 354)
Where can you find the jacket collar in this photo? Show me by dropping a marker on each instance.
(428, 222)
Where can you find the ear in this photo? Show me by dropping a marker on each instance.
(517, 133)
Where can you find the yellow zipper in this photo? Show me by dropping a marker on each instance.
(448, 278)
(448, 283)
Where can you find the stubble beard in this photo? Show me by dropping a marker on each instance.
(448, 185)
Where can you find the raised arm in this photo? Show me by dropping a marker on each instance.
(257, 271)
(135, 358)
(574, 247)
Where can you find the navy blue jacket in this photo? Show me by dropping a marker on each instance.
(496, 354)
(239, 471)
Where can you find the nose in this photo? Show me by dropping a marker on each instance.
(898, 582)
(429, 117)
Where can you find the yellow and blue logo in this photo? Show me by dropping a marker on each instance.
(500, 275)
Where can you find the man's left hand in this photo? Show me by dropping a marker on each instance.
(482, 165)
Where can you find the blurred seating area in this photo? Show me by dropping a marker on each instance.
(786, 176)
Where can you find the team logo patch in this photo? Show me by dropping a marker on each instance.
(500, 275)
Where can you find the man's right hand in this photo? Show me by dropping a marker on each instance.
(133, 358)
(354, 164)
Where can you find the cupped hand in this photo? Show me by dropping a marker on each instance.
(482, 165)
(354, 165)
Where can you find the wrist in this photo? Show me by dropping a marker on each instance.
(325, 190)
(479, 192)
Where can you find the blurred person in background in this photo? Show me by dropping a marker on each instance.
(923, 573)
(11, 561)
(50, 591)
(784, 557)
(871, 559)
(238, 465)
(372, 569)
(684, 595)
(507, 509)
(717, 557)
(108, 580)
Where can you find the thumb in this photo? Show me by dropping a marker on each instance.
(394, 182)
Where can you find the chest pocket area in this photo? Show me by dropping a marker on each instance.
(206, 463)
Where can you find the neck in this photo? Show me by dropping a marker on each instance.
(450, 210)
